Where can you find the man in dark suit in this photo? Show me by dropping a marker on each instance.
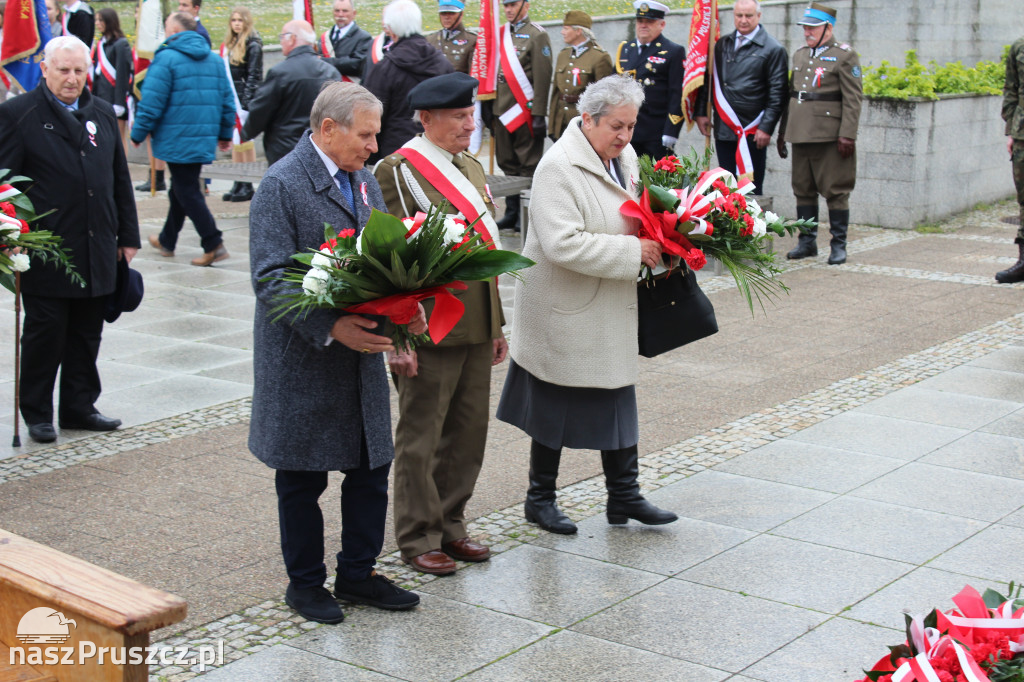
(320, 391)
(68, 142)
(657, 64)
(439, 452)
(345, 46)
(280, 108)
(191, 8)
(80, 21)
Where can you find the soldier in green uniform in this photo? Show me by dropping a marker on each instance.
(443, 390)
(823, 114)
(519, 126)
(1013, 114)
(580, 64)
(453, 39)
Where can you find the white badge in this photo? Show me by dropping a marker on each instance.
(91, 127)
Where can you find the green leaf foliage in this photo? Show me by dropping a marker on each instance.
(928, 82)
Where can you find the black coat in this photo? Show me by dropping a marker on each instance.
(119, 54)
(280, 108)
(755, 79)
(659, 69)
(87, 184)
(82, 24)
(350, 52)
(249, 74)
(406, 64)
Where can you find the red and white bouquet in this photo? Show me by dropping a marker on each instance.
(394, 264)
(981, 640)
(19, 243)
(696, 214)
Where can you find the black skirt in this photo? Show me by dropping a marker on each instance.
(569, 416)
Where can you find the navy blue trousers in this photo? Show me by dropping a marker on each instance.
(187, 199)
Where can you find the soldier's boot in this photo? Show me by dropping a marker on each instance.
(1014, 273)
(838, 223)
(807, 242)
(511, 218)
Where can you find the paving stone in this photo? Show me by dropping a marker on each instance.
(940, 407)
(1010, 359)
(1010, 425)
(283, 663)
(981, 382)
(878, 435)
(984, 453)
(996, 553)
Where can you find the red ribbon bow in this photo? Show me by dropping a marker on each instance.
(661, 227)
(401, 308)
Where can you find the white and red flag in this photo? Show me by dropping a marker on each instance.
(697, 51)
(303, 10)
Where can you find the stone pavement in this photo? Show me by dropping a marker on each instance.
(870, 424)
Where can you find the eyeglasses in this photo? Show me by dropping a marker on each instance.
(280, 36)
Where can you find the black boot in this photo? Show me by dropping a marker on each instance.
(807, 242)
(510, 220)
(1014, 273)
(230, 195)
(621, 468)
(161, 186)
(540, 498)
(838, 222)
(244, 192)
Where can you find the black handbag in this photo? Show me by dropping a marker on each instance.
(672, 311)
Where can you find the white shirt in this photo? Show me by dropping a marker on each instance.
(744, 39)
(332, 167)
(341, 32)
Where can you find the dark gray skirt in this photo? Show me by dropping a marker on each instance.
(569, 416)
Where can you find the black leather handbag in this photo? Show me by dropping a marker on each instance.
(672, 311)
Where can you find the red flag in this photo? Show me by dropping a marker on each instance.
(26, 32)
(303, 9)
(485, 55)
(695, 69)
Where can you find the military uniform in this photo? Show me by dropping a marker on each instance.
(457, 44)
(519, 153)
(576, 68)
(659, 68)
(1013, 114)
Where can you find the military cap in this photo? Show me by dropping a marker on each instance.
(818, 14)
(450, 6)
(647, 9)
(450, 91)
(575, 17)
(508, 2)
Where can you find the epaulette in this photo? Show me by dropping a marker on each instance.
(536, 25)
(845, 46)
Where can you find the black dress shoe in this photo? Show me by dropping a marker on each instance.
(91, 422)
(375, 591)
(314, 603)
(42, 433)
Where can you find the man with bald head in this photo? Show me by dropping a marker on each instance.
(280, 108)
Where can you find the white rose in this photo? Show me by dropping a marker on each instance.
(453, 231)
(321, 259)
(315, 281)
(771, 218)
(760, 227)
(753, 207)
(20, 262)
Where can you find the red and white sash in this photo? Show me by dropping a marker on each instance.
(326, 46)
(455, 186)
(515, 76)
(241, 115)
(744, 164)
(101, 64)
(377, 48)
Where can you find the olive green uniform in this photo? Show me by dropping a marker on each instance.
(1013, 114)
(457, 44)
(575, 69)
(443, 411)
(519, 153)
(826, 93)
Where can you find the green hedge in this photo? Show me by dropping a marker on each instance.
(918, 80)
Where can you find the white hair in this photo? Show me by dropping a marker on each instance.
(587, 33)
(305, 36)
(403, 17)
(61, 43)
(757, 4)
(608, 93)
(340, 101)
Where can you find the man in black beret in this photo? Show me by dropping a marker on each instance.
(439, 451)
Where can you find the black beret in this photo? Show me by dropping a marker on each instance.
(450, 91)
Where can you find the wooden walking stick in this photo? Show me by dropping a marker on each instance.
(16, 443)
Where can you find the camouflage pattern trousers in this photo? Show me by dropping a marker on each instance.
(1017, 159)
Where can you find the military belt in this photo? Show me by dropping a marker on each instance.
(804, 96)
(571, 99)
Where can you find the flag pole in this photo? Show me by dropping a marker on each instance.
(711, 71)
(16, 442)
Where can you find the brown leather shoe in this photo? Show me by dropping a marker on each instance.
(434, 562)
(154, 241)
(467, 549)
(211, 257)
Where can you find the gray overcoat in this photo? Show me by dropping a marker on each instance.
(311, 401)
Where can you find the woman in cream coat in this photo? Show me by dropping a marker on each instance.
(574, 339)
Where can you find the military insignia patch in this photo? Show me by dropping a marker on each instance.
(828, 59)
(856, 72)
(546, 51)
(459, 42)
(663, 52)
(656, 60)
(644, 7)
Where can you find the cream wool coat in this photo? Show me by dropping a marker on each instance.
(575, 319)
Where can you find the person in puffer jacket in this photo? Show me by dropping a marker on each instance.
(188, 108)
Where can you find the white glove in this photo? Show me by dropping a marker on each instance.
(668, 141)
(118, 110)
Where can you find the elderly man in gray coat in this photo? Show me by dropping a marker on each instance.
(320, 397)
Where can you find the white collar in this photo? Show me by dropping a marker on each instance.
(74, 7)
(750, 36)
(332, 167)
(342, 32)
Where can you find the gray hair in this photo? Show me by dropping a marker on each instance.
(306, 37)
(757, 4)
(185, 21)
(608, 93)
(339, 102)
(587, 33)
(68, 43)
(403, 17)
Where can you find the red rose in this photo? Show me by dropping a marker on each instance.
(669, 163)
(739, 201)
(24, 227)
(695, 259)
(8, 208)
(329, 244)
(345, 234)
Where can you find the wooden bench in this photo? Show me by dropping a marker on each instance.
(108, 610)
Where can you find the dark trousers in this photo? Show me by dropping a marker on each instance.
(364, 507)
(652, 148)
(759, 157)
(187, 199)
(517, 153)
(64, 333)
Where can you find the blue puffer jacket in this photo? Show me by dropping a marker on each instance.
(186, 101)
